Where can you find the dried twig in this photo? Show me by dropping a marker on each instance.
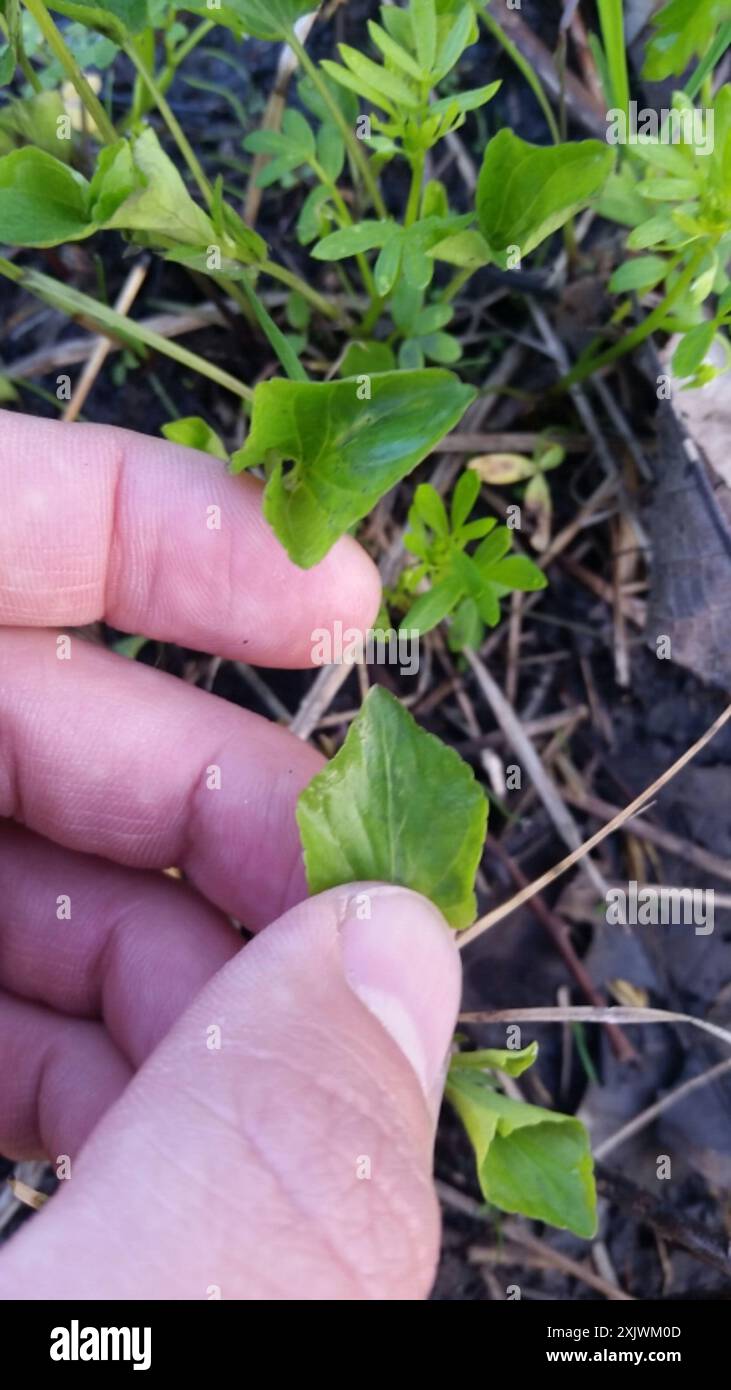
(620, 819)
(102, 347)
(652, 1111)
(543, 783)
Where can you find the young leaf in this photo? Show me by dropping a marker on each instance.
(42, 201)
(513, 1063)
(365, 358)
(400, 57)
(692, 349)
(264, 19)
(530, 1161)
(518, 572)
(7, 64)
(386, 84)
(343, 451)
(463, 498)
(350, 241)
(525, 192)
(641, 274)
(160, 206)
(424, 29)
(429, 506)
(432, 607)
(194, 433)
(395, 805)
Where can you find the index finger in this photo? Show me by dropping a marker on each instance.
(98, 522)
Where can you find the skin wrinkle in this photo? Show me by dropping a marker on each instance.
(114, 530)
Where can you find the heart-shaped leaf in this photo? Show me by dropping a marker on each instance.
(525, 192)
(332, 449)
(529, 1160)
(395, 805)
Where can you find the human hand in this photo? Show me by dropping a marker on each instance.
(293, 1160)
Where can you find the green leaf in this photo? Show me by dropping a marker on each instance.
(350, 241)
(385, 84)
(441, 347)
(456, 38)
(388, 264)
(298, 132)
(42, 201)
(429, 507)
(331, 150)
(160, 205)
(518, 572)
(395, 805)
(362, 89)
(365, 358)
(400, 57)
(525, 192)
(512, 1062)
(423, 16)
(7, 390)
(431, 319)
(263, 19)
(312, 215)
(683, 29)
(466, 101)
(463, 498)
(115, 17)
(466, 628)
(467, 249)
(431, 608)
(7, 64)
(692, 349)
(194, 433)
(650, 233)
(343, 451)
(640, 274)
(529, 1161)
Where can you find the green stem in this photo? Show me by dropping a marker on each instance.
(346, 220)
(57, 44)
(355, 149)
(417, 178)
(611, 19)
(170, 119)
(288, 358)
(525, 68)
(707, 64)
(294, 282)
(187, 45)
(588, 364)
(119, 326)
(454, 286)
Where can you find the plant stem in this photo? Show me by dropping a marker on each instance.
(295, 282)
(417, 178)
(611, 18)
(57, 44)
(588, 364)
(708, 63)
(108, 321)
(525, 68)
(288, 358)
(170, 120)
(346, 221)
(356, 151)
(187, 45)
(454, 286)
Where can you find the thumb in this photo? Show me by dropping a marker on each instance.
(278, 1143)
